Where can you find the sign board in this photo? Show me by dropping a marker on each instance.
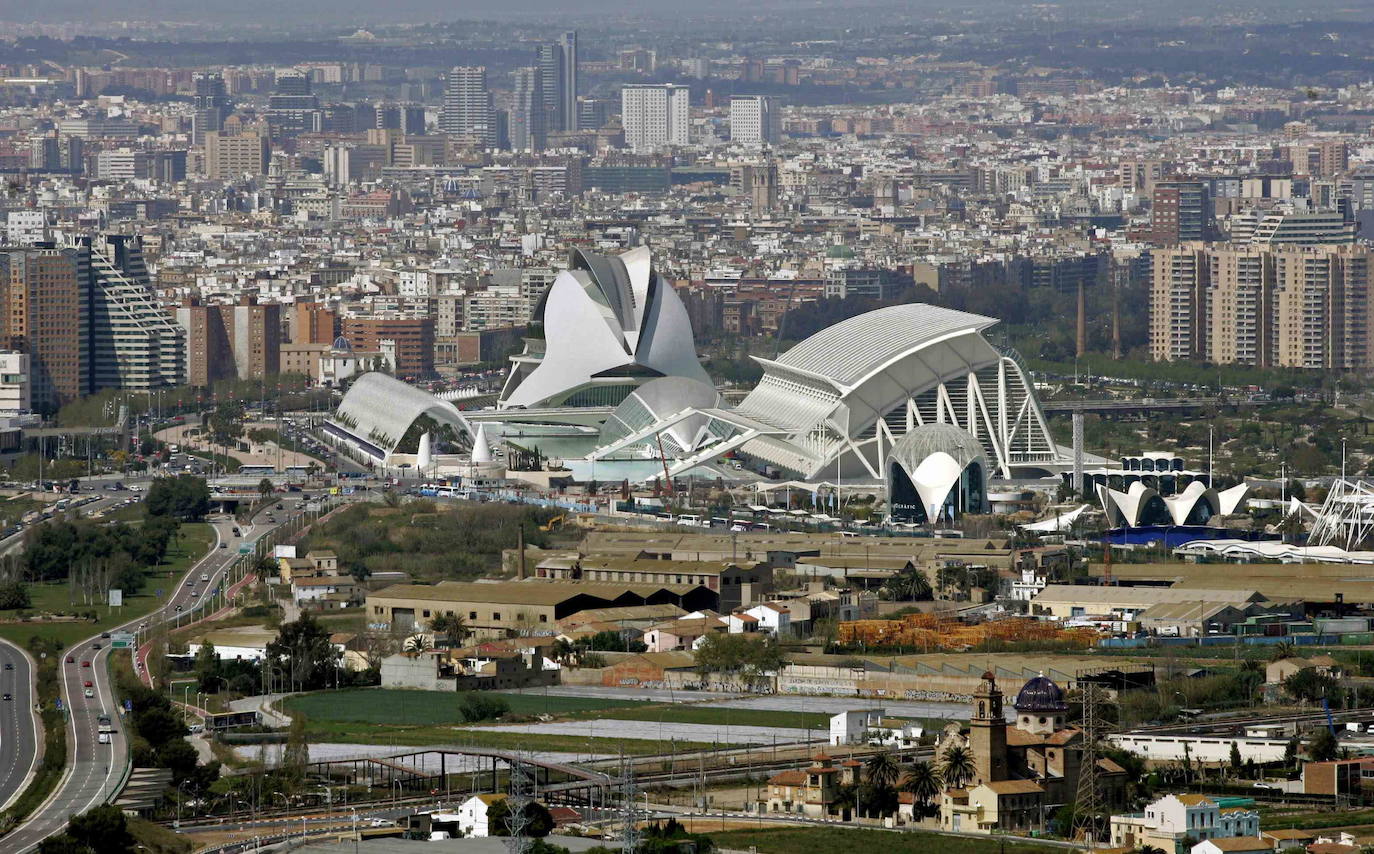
(116, 598)
(121, 640)
(128, 705)
(58, 703)
(246, 548)
(284, 551)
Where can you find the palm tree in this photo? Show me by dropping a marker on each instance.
(923, 783)
(957, 767)
(882, 770)
(451, 626)
(1282, 650)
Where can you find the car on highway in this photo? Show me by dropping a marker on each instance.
(104, 634)
(71, 660)
(88, 684)
(224, 545)
(9, 665)
(104, 738)
(90, 692)
(85, 664)
(8, 696)
(95, 646)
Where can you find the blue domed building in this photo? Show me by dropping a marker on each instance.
(1040, 706)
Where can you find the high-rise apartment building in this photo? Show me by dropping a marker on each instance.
(44, 313)
(1283, 305)
(208, 355)
(1181, 211)
(134, 344)
(228, 157)
(312, 323)
(1178, 303)
(528, 118)
(238, 341)
(210, 104)
(406, 342)
(467, 105)
(755, 120)
(655, 116)
(256, 339)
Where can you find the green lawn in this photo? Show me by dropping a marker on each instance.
(397, 706)
(827, 840)
(196, 540)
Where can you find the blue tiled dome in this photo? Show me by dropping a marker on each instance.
(1040, 695)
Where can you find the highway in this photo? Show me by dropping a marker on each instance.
(18, 723)
(96, 771)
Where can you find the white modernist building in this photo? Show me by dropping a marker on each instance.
(1144, 505)
(842, 398)
(936, 472)
(609, 324)
(835, 405)
(378, 410)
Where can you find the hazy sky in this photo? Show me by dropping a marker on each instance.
(327, 11)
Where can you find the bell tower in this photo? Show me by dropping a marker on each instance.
(988, 733)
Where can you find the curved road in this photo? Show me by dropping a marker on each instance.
(18, 723)
(95, 770)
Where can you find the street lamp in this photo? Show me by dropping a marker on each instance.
(354, 810)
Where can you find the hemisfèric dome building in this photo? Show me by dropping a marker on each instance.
(1040, 706)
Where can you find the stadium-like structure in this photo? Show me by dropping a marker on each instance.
(616, 365)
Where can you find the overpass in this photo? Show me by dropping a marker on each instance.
(1146, 405)
(429, 769)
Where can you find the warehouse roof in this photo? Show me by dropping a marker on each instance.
(1141, 596)
(521, 592)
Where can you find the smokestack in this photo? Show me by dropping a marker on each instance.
(1082, 321)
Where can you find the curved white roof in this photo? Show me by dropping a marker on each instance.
(609, 321)
(852, 349)
(380, 409)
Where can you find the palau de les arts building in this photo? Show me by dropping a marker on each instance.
(910, 398)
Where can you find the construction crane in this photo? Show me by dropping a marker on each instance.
(556, 520)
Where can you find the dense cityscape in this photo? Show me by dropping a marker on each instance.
(583, 428)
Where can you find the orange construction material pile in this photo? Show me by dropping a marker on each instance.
(934, 632)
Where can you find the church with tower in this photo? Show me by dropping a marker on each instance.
(1023, 769)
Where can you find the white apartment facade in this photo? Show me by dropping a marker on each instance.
(655, 116)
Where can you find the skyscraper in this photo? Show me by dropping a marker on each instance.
(655, 116)
(528, 119)
(134, 344)
(551, 70)
(754, 120)
(211, 105)
(43, 312)
(467, 104)
(569, 83)
(557, 63)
